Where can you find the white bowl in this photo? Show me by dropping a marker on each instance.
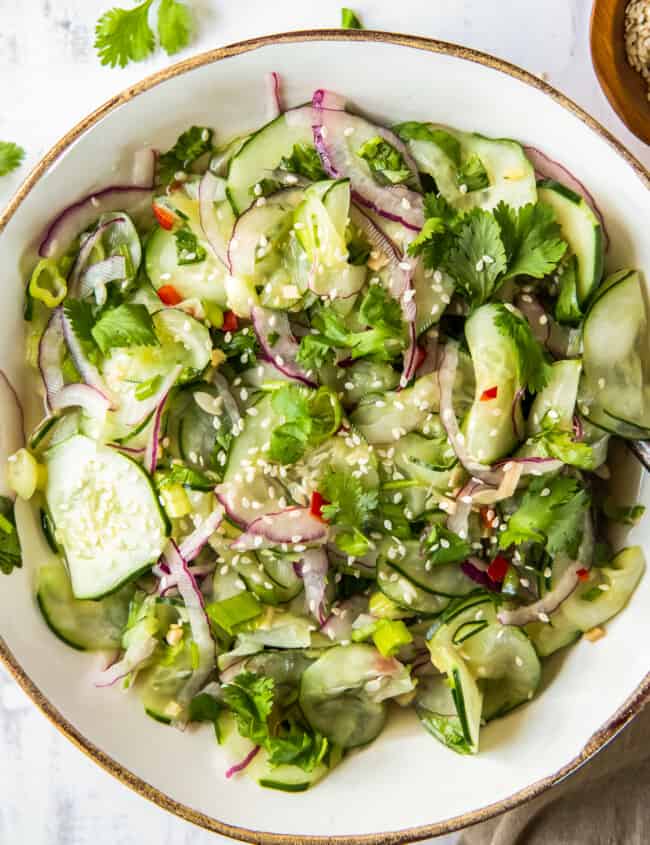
(405, 786)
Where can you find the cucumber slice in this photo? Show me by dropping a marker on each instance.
(429, 462)
(386, 418)
(271, 578)
(106, 514)
(435, 705)
(582, 229)
(432, 295)
(615, 390)
(559, 395)
(462, 732)
(511, 176)
(365, 377)
(159, 686)
(184, 339)
(262, 153)
(200, 438)
(551, 637)
(406, 558)
(488, 427)
(405, 593)
(84, 625)
(336, 700)
(204, 280)
(589, 605)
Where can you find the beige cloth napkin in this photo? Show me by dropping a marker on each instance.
(607, 802)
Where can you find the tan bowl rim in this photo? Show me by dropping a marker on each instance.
(623, 716)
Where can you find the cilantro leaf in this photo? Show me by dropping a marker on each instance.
(532, 239)
(309, 418)
(191, 145)
(205, 708)
(124, 35)
(349, 503)
(188, 248)
(380, 310)
(413, 131)
(477, 257)
(304, 161)
(174, 26)
(534, 369)
(386, 163)
(443, 546)
(11, 157)
(250, 697)
(10, 551)
(186, 476)
(473, 174)
(80, 315)
(314, 352)
(567, 305)
(240, 348)
(350, 20)
(556, 442)
(296, 746)
(126, 325)
(551, 513)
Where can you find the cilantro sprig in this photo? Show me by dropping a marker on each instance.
(11, 157)
(554, 441)
(190, 146)
(125, 35)
(310, 416)
(482, 249)
(534, 370)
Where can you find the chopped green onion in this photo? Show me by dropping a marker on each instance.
(390, 635)
(213, 313)
(385, 608)
(147, 388)
(229, 613)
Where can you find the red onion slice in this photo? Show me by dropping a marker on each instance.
(446, 378)
(540, 610)
(239, 767)
(132, 660)
(152, 448)
(199, 622)
(282, 354)
(12, 433)
(83, 213)
(50, 354)
(324, 99)
(314, 575)
(292, 527)
(92, 401)
(338, 625)
(195, 542)
(273, 103)
(214, 235)
(476, 569)
(337, 136)
(547, 168)
(97, 276)
(87, 247)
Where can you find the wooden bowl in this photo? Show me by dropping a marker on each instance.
(624, 87)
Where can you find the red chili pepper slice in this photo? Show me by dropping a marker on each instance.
(497, 569)
(229, 322)
(490, 393)
(164, 216)
(169, 295)
(487, 516)
(316, 505)
(583, 574)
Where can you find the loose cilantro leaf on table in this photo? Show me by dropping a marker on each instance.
(349, 19)
(551, 513)
(174, 26)
(124, 35)
(534, 369)
(10, 551)
(191, 145)
(11, 157)
(126, 325)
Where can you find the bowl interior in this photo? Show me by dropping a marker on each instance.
(412, 779)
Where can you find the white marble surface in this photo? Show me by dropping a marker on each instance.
(50, 794)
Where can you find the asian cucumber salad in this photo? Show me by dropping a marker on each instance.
(327, 418)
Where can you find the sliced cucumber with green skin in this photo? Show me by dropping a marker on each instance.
(589, 605)
(406, 558)
(336, 701)
(511, 176)
(187, 339)
(488, 428)
(262, 153)
(84, 625)
(106, 514)
(435, 705)
(583, 232)
(559, 396)
(204, 280)
(429, 462)
(365, 377)
(405, 593)
(614, 392)
(197, 436)
(159, 685)
(458, 730)
(270, 578)
(554, 635)
(386, 418)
